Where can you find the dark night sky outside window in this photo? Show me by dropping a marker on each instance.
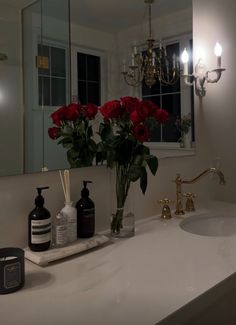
(89, 79)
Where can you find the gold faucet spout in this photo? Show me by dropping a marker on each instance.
(206, 172)
(178, 181)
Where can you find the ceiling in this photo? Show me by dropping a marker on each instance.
(114, 15)
(110, 15)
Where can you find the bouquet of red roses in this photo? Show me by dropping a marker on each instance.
(73, 127)
(126, 126)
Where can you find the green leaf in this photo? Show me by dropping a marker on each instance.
(72, 153)
(105, 131)
(90, 132)
(138, 160)
(81, 128)
(92, 145)
(152, 162)
(134, 173)
(67, 145)
(143, 180)
(65, 140)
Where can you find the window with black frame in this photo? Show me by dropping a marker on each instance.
(51, 75)
(89, 78)
(169, 98)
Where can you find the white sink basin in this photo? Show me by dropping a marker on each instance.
(210, 225)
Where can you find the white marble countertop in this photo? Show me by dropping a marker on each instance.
(138, 281)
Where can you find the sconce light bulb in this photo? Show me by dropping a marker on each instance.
(218, 49)
(185, 56)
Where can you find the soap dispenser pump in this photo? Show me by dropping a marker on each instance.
(39, 224)
(85, 214)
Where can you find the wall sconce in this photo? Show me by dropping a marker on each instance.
(201, 74)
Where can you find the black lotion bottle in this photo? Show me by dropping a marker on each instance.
(39, 225)
(85, 214)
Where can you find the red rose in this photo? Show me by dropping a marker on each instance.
(135, 118)
(161, 116)
(90, 111)
(58, 115)
(72, 111)
(111, 109)
(130, 103)
(143, 111)
(54, 133)
(141, 132)
(151, 107)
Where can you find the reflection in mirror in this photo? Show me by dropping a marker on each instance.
(46, 53)
(102, 38)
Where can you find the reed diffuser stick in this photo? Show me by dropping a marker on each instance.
(62, 183)
(65, 181)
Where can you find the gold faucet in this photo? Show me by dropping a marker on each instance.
(178, 181)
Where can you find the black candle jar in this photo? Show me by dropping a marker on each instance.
(12, 269)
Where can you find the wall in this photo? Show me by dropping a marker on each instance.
(10, 93)
(217, 110)
(17, 193)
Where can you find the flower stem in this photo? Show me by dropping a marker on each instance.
(122, 189)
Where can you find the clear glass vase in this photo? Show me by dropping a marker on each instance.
(122, 215)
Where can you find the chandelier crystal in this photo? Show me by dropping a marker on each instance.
(153, 63)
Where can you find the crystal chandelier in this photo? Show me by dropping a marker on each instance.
(153, 63)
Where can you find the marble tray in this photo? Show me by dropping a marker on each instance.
(54, 254)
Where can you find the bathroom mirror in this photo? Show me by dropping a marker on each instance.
(101, 39)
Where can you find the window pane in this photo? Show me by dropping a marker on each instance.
(155, 89)
(171, 50)
(172, 104)
(58, 91)
(167, 89)
(81, 64)
(94, 93)
(43, 51)
(58, 62)
(44, 91)
(155, 132)
(154, 99)
(93, 68)
(82, 92)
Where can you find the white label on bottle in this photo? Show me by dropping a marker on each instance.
(40, 231)
(61, 235)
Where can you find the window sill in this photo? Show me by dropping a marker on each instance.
(169, 150)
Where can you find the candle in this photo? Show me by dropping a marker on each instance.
(153, 58)
(185, 59)
(132, 60)
(174, 61)
(218, 52)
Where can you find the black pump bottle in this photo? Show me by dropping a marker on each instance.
(39, 225)
(85, 214)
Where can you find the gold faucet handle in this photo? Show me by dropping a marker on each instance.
(166, 212)
(189, 202)
(190, 195)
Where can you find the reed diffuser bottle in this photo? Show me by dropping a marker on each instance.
(69, 211)
(65, 223)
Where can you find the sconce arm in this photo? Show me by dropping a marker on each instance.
(218, 73)
(189, 79)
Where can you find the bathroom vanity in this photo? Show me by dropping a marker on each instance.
(164, 271)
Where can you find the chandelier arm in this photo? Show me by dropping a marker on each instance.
(150, 20)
